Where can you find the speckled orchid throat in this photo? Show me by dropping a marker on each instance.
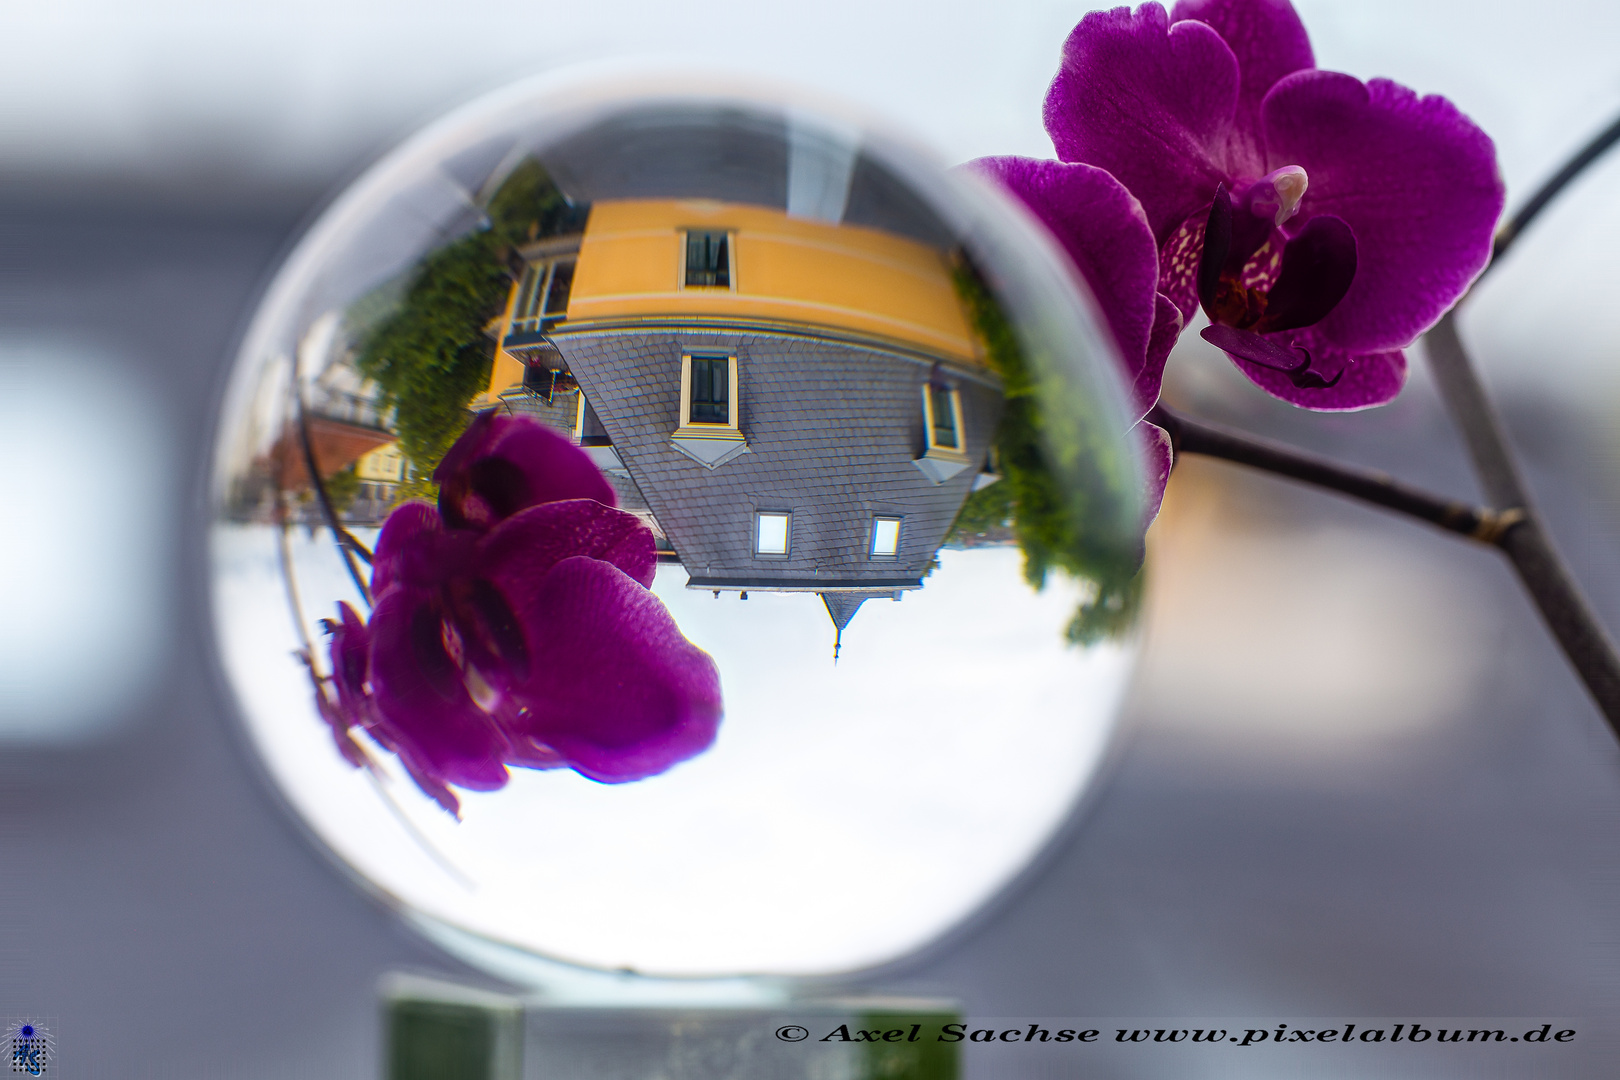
(1255, 280)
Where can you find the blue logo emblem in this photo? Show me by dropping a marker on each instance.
(31, 1048)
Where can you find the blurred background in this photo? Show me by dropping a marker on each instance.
(1357, 780)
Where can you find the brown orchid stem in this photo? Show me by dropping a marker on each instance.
(1507, 234)
(1191, 436)
(1511, 524)
(348, 546)
(1527, 544)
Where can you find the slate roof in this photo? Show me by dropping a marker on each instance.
(832, 429)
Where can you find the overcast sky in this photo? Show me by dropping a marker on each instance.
(301, 86)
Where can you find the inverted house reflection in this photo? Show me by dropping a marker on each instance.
(794, 401)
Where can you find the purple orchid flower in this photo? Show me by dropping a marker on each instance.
(1322, 223)
(513, 627)
(1105, 233)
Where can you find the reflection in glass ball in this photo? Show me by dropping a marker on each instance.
(675, 534)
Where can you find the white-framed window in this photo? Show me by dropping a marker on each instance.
(942, 417)
(542, 295)
(706, 259)
(773, 533)
(885, 537)
(708, 391)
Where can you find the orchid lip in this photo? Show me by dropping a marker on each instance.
(1309, 275)
(1292, 359)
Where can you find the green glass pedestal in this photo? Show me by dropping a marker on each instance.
(436, 1030)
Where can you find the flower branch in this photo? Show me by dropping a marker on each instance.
(1190, 436)
(1528, 545)
(1516, 528)
(1321, 225)
(349, 546)
(1509, 233)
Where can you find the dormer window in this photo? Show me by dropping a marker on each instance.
(944, 438)
(708, 260)
(710, 428)
(942, 417)
(708, 390)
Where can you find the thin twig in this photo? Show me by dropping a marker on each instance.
(328, 511)
(1516, 225)
(1476, 418)
(289, 582)
(1191, 436)
(378, 782)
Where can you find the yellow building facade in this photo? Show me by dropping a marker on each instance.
(647, 262)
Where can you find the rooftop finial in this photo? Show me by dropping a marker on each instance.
(841, 606)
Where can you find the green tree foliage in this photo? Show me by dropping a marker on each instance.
(983, 511)
(431, 355)
(1059, 489)
(342, 487)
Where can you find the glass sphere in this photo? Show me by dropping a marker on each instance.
(675, 531)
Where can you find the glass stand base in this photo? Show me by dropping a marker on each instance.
(442, 1031)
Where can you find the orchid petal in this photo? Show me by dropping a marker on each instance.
(434, 788)
(1269, 354)
(401, 552)
(512, 562)
(1362, 381)
(1268, 41)
(1158, 456)
(425, 712)
(1414, 179)
(351, 661)
(1167, 327)
(503, 465)
(528, 544)
(338, 723)
(1179, 260)
(527, 753)
(1149, 102)
(617, 690)
(492, 638)
(1106, 235)
(350, 654)
(472, 443)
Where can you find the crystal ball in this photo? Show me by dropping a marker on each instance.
(675, 531)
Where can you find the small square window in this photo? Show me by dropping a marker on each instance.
(885, 537)
(771, 532)
(708, 260)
